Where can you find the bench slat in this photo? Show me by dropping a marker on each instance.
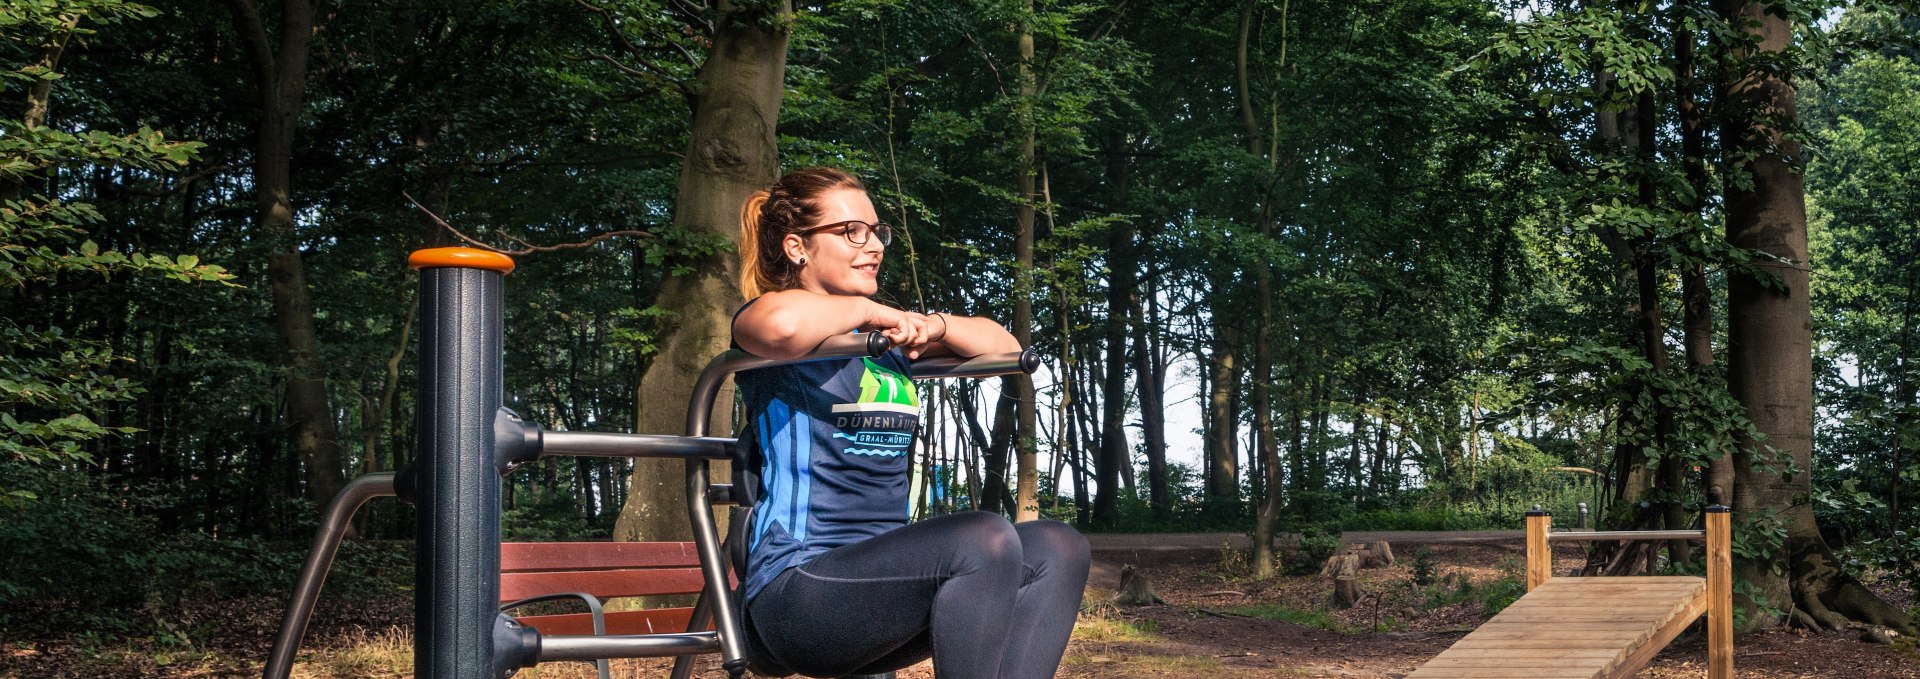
(581, 556)
(651, 621)
(603, 584)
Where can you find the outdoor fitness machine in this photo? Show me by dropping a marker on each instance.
(468, 443)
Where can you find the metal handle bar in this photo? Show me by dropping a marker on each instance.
(575, 647)
(313, 575)
(1597, 536)
(707, 387)
(990, 365)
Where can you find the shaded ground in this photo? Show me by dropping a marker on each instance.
(1214, 624)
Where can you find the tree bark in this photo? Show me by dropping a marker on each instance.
(1223, 455)
(1769, 338)
(1263, 558)
(280, 75)
(730, 154)
(1027, 437)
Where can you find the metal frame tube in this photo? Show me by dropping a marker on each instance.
(574, 647)
(457, 576)
(606, 444)
(313, 575)
(1597, 536)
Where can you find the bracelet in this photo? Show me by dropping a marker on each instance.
(944, 325)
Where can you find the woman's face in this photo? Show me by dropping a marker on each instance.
(834, 265)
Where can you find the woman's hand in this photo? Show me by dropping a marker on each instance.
(910, 332)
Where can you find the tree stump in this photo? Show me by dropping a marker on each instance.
(1379, 554)
(1135, 589)
(1347, 562)
(1345, 570)
(1347, 593)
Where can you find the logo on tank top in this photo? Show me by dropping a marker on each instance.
(882, 420)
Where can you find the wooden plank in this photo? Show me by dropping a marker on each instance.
(1533, 672)
(1670, 628)
(603, 584)
(1586, 628)
(1537, 651)
(581, 556)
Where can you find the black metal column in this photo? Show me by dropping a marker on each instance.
(457, 578)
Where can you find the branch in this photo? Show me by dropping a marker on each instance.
(633, 51)
(529, 247)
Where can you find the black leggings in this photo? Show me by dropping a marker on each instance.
(984, 597)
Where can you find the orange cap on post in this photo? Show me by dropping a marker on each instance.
(465, 258)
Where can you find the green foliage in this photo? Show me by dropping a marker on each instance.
(50, 381)
(1424, 569)
(1897, 556)
(1310, 552)
(87, 556)
(1504, 590)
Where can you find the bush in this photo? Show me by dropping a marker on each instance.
(1897, 557)
(1314, 548)
(1424, 569)
(86, 557)
(1429, 519)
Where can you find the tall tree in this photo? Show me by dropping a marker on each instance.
(280, 78)
(730, 154)
(1769, 338)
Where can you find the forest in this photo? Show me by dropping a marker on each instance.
(1417, 264)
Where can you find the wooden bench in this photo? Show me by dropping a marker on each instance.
(605, 570)
(1598, 627)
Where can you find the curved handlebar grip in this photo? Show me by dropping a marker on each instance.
(877, 344)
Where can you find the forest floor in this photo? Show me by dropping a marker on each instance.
(1213, 624)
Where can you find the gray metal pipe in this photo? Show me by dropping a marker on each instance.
(707, 387)
(626, 646)
(1596, 536)
(608, 444)
(990, 365)
(457, 575)
(313, 575)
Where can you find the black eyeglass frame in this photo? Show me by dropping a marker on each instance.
(881, 229)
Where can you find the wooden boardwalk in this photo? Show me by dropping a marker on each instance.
(1585, 628)
(1598, 628)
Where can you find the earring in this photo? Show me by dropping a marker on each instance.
(802, 261)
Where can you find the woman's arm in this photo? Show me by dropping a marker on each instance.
(964, 336)
(787, 324)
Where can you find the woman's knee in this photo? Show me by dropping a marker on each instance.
(1052, 543)
(984, 535)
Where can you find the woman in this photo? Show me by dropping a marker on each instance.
(837, 581)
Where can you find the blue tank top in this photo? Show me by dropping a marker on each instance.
(830, 439)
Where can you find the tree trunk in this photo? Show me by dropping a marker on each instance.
(1027, 437)
(1149, 374)
(1769, 338)
(1223, 455)
(730, 154)
(1263, 559)
(1696, 295)
(280, 75)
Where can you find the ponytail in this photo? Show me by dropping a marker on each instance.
(750, 260)
(788, 207)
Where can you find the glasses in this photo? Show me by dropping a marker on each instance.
(857, 232)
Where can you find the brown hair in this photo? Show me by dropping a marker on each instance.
(789, 206)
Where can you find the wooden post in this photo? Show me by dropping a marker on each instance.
(1719, 593)
(1539, 555)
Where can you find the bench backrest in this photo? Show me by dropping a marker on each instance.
(605, 570)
